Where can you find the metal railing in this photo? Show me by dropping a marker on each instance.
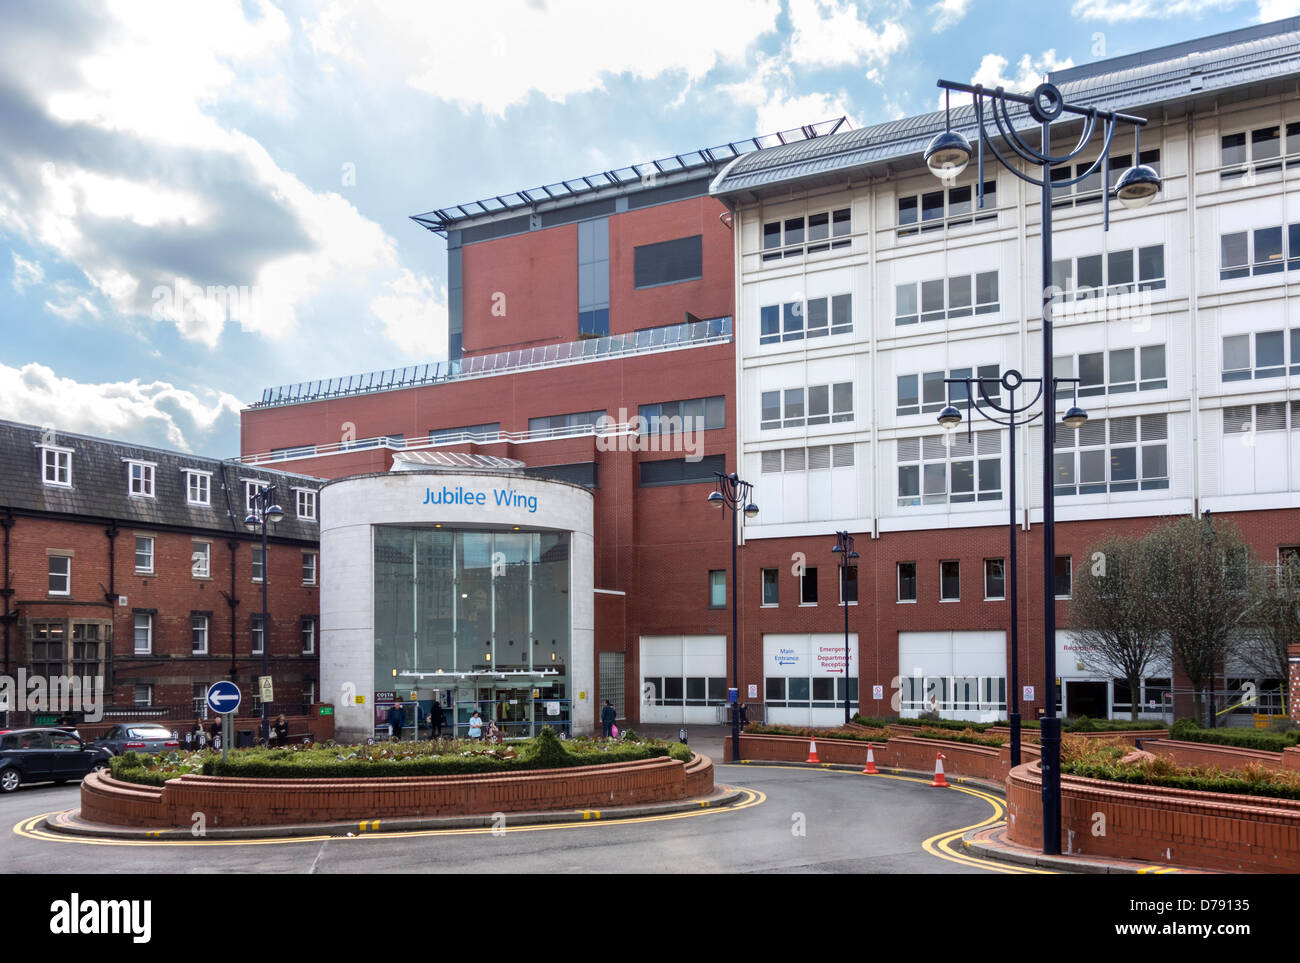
(669, 337)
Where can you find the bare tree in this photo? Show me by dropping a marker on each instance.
(1201, 572)
(1273, 623)
(1113, 618)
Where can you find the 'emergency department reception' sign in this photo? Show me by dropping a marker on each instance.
(818, 656)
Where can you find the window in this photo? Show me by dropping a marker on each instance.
(668, 262)
(717, 589)
(306, 503)
(1088, 190)
(795, 320)
(848, 578)
(575, 423)
(816, 458)
(824, 231)
(1063, 573)
(826, 404)
(60, 575)
(928, 392)
(1269, 360)
(1095, 275)
(1257, 151)
(144, 554)
(199, 633)
(949, 469)
(671, 417)
(593, 277)
(995, 579)
(143, 695)
(258, 633)
(47, 651)
(200, 559)
(681, 471)
(1247, 419)
(198, 487)
(771, 586)
(56, 466)
(143, 633)
(949, 581)
(907, 581)
(946, 298)
(484, 431)
(1258, 251)
(251, 488)
(1115, 455)
(808, 587)
(258, 564)
(140, 474)
(309, 560)
(952, 207)
(1112, 372)
(308, 635)
(87, 647)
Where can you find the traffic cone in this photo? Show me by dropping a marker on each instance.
(939, 781)
(812, 752)
(871, 769)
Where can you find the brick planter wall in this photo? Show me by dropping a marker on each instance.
(1214, 831)
(1224, 757)
(228, 802)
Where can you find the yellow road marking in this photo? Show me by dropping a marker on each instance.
(30, 829)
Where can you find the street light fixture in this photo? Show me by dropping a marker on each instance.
(734, 493)
(844, 549)
(264, 510)
(1135, 188)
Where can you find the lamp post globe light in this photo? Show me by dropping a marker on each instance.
(844, 549)
(733, 493)
(1135, 188)
(264, 510)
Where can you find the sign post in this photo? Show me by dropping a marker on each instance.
(224, 698)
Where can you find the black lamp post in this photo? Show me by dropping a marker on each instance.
(950, 418)
(732, 493)
(844, 549)
(947, 156)
(264, 510)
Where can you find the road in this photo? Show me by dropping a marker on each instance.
(794, 820)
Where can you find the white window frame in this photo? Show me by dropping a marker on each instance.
(1089, 193)
(942, 563)
(1252, 267)
(1140, 482)
(315, 568)
(988, 212)
(141, 485)
(61, 462)
(148, 694)
(840, 580)
(762, 588)
(987, 447)
(787, 311)
(1109, 386)
(65, 575)
(898, 583)
(1069, 561)
(204, 629)
(952, 394)
(257, 633)
(833, 415)
(253, 563)
(1230, 172)
(135, 637)
(197, 570)
(834, 239)
(1290, 353)
(949, 311)
(305, 498)
(198, 483)
(150, 569)
(1003, 596)
(252, 485)
(309, 639)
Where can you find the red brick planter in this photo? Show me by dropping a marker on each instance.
(226, 801)
(1224, 757)
(1216, 831)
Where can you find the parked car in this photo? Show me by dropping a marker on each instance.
(44, 755)
(138, 737)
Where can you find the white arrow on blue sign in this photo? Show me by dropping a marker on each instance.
(223, 697)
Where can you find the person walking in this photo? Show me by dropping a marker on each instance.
(397, 719)
(476, 726)
(607, 715)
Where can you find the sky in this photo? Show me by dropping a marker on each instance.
(202, 200)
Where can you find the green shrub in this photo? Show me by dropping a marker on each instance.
(954, 724)
(761, 729)
(1219, 782)
(970, 736)
(1188, 731)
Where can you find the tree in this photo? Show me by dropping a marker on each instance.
(1274, 621)
(1113, 616)
(1201, 573)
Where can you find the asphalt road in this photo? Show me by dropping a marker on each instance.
(797, 821)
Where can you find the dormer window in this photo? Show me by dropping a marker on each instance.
(56, 466)
(140, 478)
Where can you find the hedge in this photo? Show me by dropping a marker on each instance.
(955, 724)
(1225, 783)
(1188, 731)
(762, 729)
(969, 736)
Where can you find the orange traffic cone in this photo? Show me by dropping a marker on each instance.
(871, 769)
(938, 772)
(812, 752)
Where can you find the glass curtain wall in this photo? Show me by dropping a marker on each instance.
(464, 601)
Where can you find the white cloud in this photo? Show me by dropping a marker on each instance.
(457, 54)
(1117, 11)
(414, 315)
(26, 273)
(1029, 71)
(1270, 10)
(828, 33)
(948, 12)
(70, 302)
(768, 92)
(158, 411)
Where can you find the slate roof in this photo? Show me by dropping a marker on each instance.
(100, 482)
(1201, 67)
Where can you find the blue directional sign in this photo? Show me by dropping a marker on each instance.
(223, 697)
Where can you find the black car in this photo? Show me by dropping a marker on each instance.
(45, 755)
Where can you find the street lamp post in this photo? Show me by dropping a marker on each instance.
(947, 156)
(732, 493)
(950, 418)
(264, 510)
(844, 548)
